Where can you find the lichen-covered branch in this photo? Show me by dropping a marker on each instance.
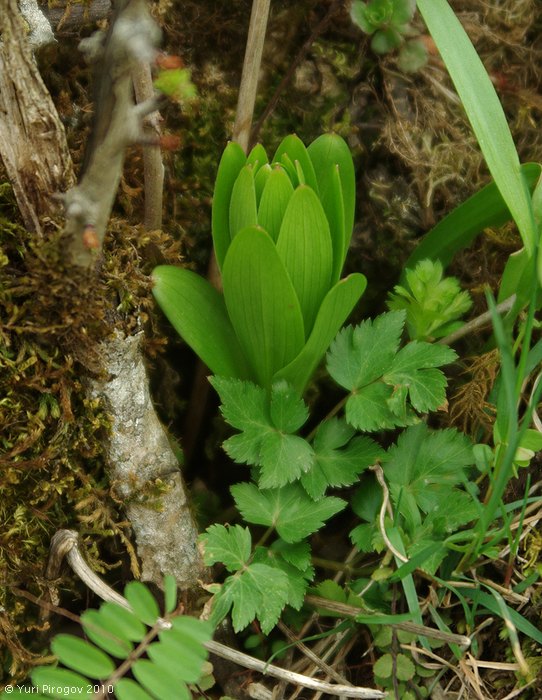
(144, 471)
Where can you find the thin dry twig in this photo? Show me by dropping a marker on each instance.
(65, 545)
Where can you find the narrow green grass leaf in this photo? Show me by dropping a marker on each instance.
(262, 304)
(484, 111)
(198, 313)
(334, 310)
(276, 194)
(456, 231)
(294, 148)
(304, 246)
(142, 601)
(80, 656)
(328, 150)
(243, 207)
(520, 622)
(233, 159)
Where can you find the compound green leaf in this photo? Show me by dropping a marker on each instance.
(265, 423)
(288, 509)
(298, 554)
(330, 150)
(334, 310)
(127, 689)
(295, 150)
(142, 601)
(80, 656)
(186, 639)
(304, 246)
(276, 194)
(123, 621)
(423, 469)
(334, 466)
(288, 412)
(190, 628)
(48, 678)
(360, 355)
(169, 655)
(297, 580)
(484, 111)
(170, 593)
(414, 367)
(106, 633)
(198, 313)
(159, 681)
(284, 458)
(262, 304)
(368, 409)
(233, 159)
(229, 545)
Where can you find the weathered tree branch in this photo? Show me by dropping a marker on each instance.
(32, 139)
(144, 470)
(117, 124)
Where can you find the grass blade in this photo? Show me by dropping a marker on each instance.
(456, 231)
(484, 111)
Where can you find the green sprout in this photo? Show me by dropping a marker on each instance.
(281, 231)
(388, 22)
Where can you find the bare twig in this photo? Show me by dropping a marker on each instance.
(477, 323)
(153, 167)
(65, 544)
(421, 630)
(251, 72)
(271, 105)
(382, 517)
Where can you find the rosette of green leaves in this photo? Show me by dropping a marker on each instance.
(388, 22)
(281, 231)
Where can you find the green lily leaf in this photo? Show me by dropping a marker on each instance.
(328, 150)
(289, 166)
(197, 312)
(233, 159)
(257, 157)
(243, 209)
(484, 111)
(294, 148)
(260, 180)
(334, 310)
(456, 231)
(304, 246)
(262, 303)
(276, 194)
